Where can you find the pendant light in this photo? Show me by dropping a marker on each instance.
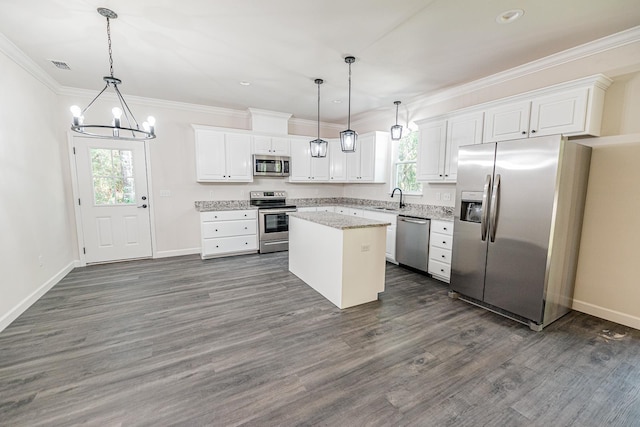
(318, 146)
(396, 130)
(114, 130)
(349, 137)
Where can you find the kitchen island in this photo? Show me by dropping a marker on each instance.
(341, 257)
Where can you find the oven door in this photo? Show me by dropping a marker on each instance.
(274, 229)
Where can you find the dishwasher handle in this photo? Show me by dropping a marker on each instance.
(413, 221)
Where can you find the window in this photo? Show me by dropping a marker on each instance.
(405, 165)
(112, 172)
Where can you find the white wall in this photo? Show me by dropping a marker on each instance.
(35, 219)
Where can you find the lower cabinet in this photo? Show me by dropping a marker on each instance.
(228, 233)
(391, 231)
(440, 243)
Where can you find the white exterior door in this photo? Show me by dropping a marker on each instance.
(114, 204)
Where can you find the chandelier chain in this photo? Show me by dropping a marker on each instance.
(349, 115)
(109, 41)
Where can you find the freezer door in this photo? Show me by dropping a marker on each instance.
(475, 172)
(523, 195)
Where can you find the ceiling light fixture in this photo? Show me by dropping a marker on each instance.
(133, 131)
(396, 130)
(509, 16)
(244, 83)
(318, 146)
(349, 137)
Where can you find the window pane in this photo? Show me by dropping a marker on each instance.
(406, 178)
(112, 172)
(408, 148)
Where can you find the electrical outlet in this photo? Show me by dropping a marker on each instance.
(165, 193)
(446, 197)
(40, 260)
(437, 196)
(365, 248)
(211, 194)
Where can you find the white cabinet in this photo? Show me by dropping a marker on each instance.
(439, 143)
(391, 231)
(440, 244)
(305, 168)
(228, 233)
(369, 162)
(337, 161)
(222, 156)
(570, 112)
(275, 146)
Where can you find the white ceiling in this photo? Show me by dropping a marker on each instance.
(197, 51)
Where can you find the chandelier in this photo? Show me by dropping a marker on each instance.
(117, 129)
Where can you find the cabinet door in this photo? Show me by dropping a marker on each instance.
(353, 164)
(319, 168)
(367, 158)
(210, 156)
(300, 161)
(261, 145)
(238, 148)
(461, 130)
(507, 122)
(280, 146)
(563, 113)
(337, 162)
(431, 151)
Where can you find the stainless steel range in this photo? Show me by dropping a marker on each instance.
(273, 219)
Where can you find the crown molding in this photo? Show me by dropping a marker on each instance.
(19, 57)
(623, 38)
(158, 103)
(305, 122)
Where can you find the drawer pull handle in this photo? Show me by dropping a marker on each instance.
(444, 242)
(443, 256)
(442, 269)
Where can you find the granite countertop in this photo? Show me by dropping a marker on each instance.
(406, 211)
(339, 221)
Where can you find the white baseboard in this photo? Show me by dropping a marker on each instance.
(179, 252)
(606, 313)
(6, 319)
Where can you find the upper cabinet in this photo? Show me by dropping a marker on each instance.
(275, 146)
(572, 111)
(439, 142)
(337, 162)
(222, 156)
(305, 168)
(369, 162)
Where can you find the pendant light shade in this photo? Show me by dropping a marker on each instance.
(123, 125)
(349, 137)
(318, 147)
(396, 130)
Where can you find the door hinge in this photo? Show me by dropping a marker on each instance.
(84, 251)
(79, 202)
(74, 150)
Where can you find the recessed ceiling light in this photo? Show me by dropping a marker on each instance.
(509, 16)
(337, 101)
(243, 83)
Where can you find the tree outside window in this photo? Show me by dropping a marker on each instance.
(405, 165)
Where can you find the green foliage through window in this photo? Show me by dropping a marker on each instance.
(405, 166)
(112, 172)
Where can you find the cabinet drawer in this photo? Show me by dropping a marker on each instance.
(440, 269)
(228, 228)
(229, 244)
(441, 240)
(228, 215)
(442, 227)
(440, 255)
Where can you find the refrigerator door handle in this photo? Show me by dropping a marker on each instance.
(485, 205)
(494, 208)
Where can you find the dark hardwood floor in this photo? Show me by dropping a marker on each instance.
(241, 341)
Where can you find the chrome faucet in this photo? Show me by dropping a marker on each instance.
(402, 205)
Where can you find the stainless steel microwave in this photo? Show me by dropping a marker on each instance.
(270, 165)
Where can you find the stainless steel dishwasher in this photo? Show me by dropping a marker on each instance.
(412, 242)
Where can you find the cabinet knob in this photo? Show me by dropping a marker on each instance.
(443, 256)
(245, 228)
(442, 269)
(444, 243)
(216, 229)
(446, 175)
(524, 132)
(440, 174)
(445, 228)
(533, 131)
(217, 246)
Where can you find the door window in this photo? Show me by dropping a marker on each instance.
(112, 174)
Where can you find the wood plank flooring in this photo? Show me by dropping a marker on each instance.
(241, 341)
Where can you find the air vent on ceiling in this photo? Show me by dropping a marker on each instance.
(60, 64)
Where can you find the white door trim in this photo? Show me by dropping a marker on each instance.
(76, 196)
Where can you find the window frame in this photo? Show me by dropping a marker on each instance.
(395, 162)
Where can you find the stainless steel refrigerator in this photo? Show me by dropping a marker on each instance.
(518, 220)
